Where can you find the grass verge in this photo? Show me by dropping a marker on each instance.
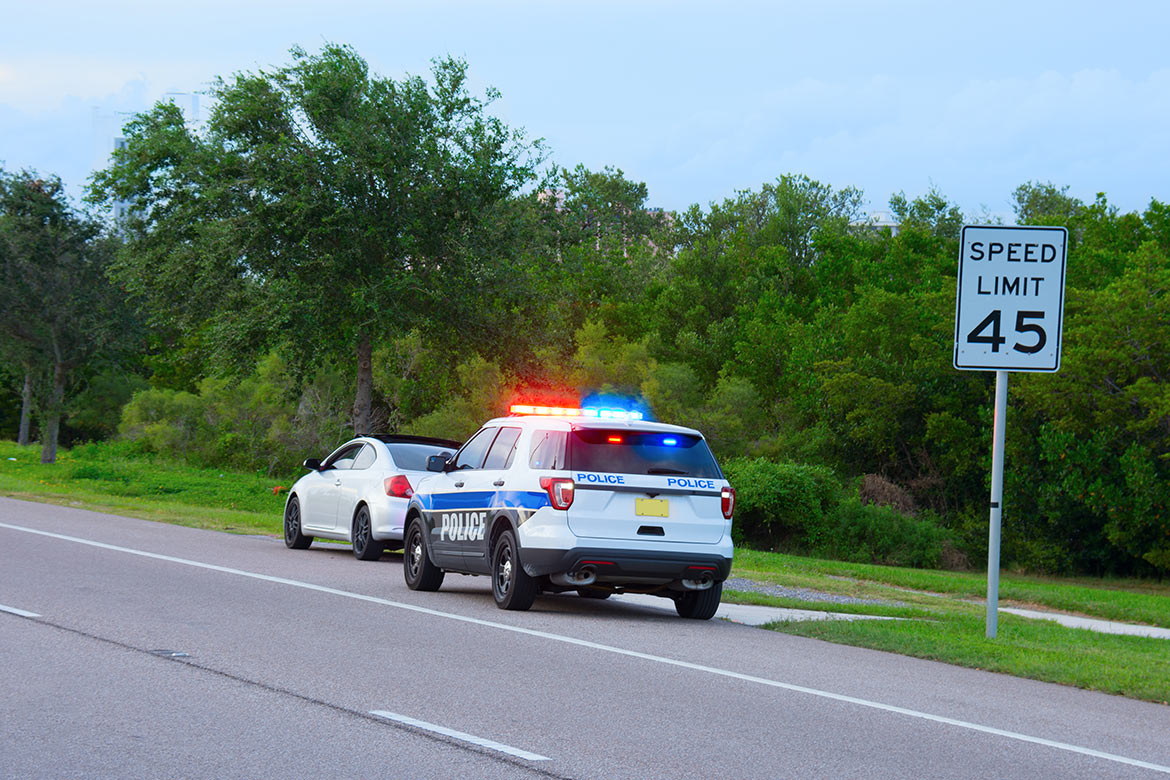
(947, 620)
(115, 477)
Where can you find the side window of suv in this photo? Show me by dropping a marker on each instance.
(548, 450)
(471, 456)
(503, 449)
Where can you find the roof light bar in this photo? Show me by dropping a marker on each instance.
(561, 411)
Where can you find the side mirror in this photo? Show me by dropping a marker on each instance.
(437, 463)
(312, 463)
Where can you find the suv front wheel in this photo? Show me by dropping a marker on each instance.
(417, 569)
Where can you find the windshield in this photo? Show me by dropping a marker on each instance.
(641, 452)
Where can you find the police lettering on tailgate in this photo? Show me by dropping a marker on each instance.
(462, 526)
(700, 484)
(601, 479)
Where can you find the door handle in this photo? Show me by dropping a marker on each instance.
(458, 484)
(498, 483)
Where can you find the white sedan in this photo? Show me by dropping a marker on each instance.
(360, 492)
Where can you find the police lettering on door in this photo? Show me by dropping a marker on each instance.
(1010, 303)
(462, 526)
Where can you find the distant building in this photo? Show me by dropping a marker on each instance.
(879, 220)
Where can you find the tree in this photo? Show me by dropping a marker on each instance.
(1044, 204)
(320, 209)
(1106, 443)
(789, 213)
(595, 206)
(57, 308)
(931, 212)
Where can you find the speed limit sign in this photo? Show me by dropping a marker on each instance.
(1009, 313)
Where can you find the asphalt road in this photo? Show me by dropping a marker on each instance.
(291, 655)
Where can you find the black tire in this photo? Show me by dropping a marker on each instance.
(699, 604)
(511, 586)
(594, 593)
(293, 538)
(365, 546)
(417, 569)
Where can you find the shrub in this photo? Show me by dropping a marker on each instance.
(782, 504)
(254, 423)
(870, 533)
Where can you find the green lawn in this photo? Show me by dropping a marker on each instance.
(947, 620)
(942, 611)
(114, 477)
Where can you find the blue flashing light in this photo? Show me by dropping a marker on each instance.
(670, 442)
(613, 414)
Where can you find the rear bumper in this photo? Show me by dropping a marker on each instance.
(386, 517)
(618, 565)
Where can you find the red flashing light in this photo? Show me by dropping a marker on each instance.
(567, 411)
(550, 411)
(398, 487)
(560, 491)
(614, 439)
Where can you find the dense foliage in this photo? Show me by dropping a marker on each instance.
(62, 321)
(813, 350)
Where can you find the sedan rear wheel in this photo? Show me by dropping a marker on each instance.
(365, 546)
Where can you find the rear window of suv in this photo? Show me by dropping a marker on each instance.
(641, 452)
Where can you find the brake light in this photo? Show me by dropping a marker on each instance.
(398, 487)
(560, 491)
(727, 501)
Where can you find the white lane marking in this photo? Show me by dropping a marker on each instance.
(615, 650)
(487, 743)
(15, 611)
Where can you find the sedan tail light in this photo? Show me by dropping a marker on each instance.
(560, 491)
(398, 487)
(727, 501)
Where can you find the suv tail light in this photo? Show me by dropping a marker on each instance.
(398, 487)
(560, 491)
(727, 501)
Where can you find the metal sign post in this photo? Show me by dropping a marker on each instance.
(1000, 427)
(1009, 316)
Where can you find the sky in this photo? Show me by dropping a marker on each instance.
(697, 99)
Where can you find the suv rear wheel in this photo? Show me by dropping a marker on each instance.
(511, 586)
(699, 604)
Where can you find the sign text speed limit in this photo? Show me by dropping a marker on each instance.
(1010, 308)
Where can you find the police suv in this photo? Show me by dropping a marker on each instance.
(560, 499)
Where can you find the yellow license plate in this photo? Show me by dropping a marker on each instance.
(651, 507)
